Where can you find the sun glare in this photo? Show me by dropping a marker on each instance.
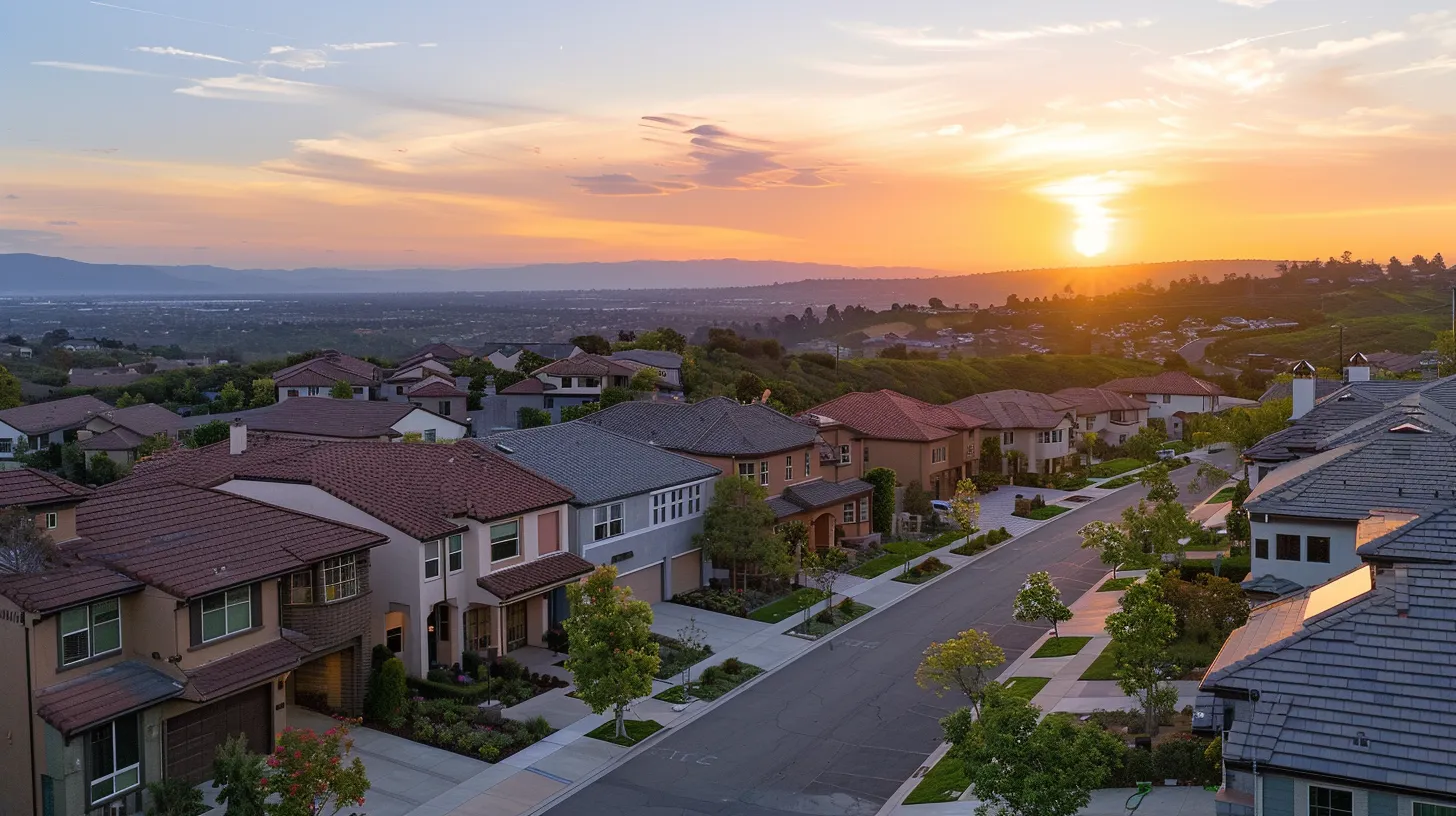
(1092, 219)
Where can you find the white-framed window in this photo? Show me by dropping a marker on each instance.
(848, 513)
(844, 456)
(428, 435)
(1167, 398)
(590, 382)
(678, 503)
(789, 468)
(5, 444)
(444, 408)
(938, 454)
(341, 578)
(763, 473)
(227, 613)
(1008, 437)
(865, 446)
(1331, 801)
(115, 758)
(864, 508)
(747, 470)
(432, 560)
(1431, 809)
(455, 553)
(298, 588)
(52, 521)
(565, 382)
(607, 521)
(807, 466)
(90, 631)
(505, 540)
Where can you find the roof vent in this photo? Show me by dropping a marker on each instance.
(1361, 741)
(1409, 428)
(1344, 397)
(503, 448)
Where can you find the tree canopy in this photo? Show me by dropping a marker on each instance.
(1039, 599)
(24, 547)
(738, 532)
(613, 657)
(1141, 632)
(964, 663)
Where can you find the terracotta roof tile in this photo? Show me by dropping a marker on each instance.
(146, 419)
(530, 385)
(45, 417)
(321, 417)
(96, 697)
(1166, 382)
(246, 668)
(1100, 400)
(327, 369)
(891, 415)
(436, 389)
(1013, 408)
(67, 584)
(534, 576)
(589, 365)
(28, 487)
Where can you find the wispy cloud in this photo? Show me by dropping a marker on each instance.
(188, 19)
(63, 223)
(360, 46)
(427, 45)
(1439, 65)
(1249, 3)
(1328, 49)
(91, 68)
(1243, 41)
(926, 40)
(253, 88)
(625, 184)
(888, 71)
(169, 51)
(299, 59)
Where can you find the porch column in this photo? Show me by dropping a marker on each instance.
(666, 576)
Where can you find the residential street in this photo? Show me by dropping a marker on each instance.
(839, 729)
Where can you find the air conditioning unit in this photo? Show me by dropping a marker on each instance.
(118, 808)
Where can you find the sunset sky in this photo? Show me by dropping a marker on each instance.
(959, 135)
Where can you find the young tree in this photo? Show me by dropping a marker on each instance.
(1159, 484)
(592, 344)
(916, 500)
(236, 772)
(991, 461)
(128, 399)
(1145, 443)
(644, 381)
(1208, 477)
(1141, 632)
(1112, 544)
(748, 387)
(1022, 765)
(10, 395)
(613, 657)
(73, 462)
(1159, 528)
(230, 398)
(312, 774)
(529, 361)
(964, 507)
(529, 417)
(1015, 462)
(964, 663)
(154, 444)
(208, 433)
(882, 503)
(572, 412)
(823, 567)
(102, 469)
(1039, 599)
(1087, 444)
(265, 392)
(24, 547)
(340, 390)
(738, 532)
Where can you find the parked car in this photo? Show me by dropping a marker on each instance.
(1164, 454)
(942, 511)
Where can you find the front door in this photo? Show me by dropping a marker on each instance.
(515, 626)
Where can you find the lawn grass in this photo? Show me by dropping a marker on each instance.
(1113, 467)
(713, 682)
(1061, 646)
(1120, 481)
(896, 553)
(839, 616)
(637, 730)
(796, 601)
(942, 783)
(1046, 512)
(1103, 667)
(1226, 494)
(1026, 687)
(1116, 584)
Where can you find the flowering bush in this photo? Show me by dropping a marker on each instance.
(309, 774)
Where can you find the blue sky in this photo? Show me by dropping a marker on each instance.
(956, 135)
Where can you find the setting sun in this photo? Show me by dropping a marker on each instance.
(1092, 219)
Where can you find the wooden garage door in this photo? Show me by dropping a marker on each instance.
(193, 738)
(646, 584)
(687, 572)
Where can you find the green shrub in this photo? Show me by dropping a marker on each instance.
(508, 668)
(1184, 757)
(1234, 568)
(470, 663)
(235, 772)
(175, 797)
(711, 675)
(732, 665)
(882, 503)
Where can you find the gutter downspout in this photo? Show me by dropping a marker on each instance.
(30, 724)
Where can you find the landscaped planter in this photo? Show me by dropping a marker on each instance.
(830, 619)
(924, 571)
(466, 729)
(714, 681)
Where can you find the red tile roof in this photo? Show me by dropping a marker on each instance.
(589, 365)
(436, 389)
(146, 419)
(28, 487)
(246, 668)
(327, 369)
(1014, 408)
(530, 385)
(891, 415)
(96, 697)
(1100, 400)
(68, 583)
(422, 490)
(326, 417)
(1167, 382)
(191, 541)
(535, 576)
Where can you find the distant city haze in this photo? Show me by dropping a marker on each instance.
(916, 135)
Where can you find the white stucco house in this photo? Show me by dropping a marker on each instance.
(1170, 394)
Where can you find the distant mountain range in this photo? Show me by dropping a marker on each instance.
(40, 275)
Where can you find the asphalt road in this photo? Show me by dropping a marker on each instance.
(839, 729)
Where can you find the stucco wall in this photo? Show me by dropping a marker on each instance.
(421, 421)
(17, 794)
(1187, 403)
(776, 461)
(1342, 549)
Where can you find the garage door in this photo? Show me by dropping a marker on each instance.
(687, 572)
(193, 738)
(646, 584)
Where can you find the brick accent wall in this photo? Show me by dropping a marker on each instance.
(341, 635)
(330, 626)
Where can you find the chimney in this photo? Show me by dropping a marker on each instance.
(1358, 369)
(1303, 387)
(237, 437)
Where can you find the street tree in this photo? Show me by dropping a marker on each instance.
(312, 774)
(1145, 443)
(964, 507)
(823, 567)
(1141, 632)
(1039, 599)
(341, 390)
(1112, 543)
(1021, 764)
(738, 533)
(1209, 476)
(24, 546)
(964, 663)
(1158, 529)
(1159, 484)
(613, 657)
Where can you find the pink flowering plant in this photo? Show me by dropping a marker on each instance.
(312, 773)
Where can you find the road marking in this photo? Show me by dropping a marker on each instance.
(857, 644)
(682, 756)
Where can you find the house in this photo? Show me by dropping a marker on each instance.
(440, 395)
(1113, 416)
(1038, 427)
(327, 419)
(477, 557)
(1170, 393)
(935, 445)
(1396, 363)
(16, 352)
(1285, 390)
(583, 377)
(635, 506)
(667, 362)
(506, 355)
(178, 617)
(117, 375)
(51, 499)
(406, 377)
(81, 345)
(755, 442)
(118, 432)
(316, 377)
(32, 427)
(445, 353)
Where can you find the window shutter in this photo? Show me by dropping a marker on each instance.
(194, 615)
(257, 603)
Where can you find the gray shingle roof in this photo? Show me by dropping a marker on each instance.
(1431, 538)
(596, 464)
(1350, 406)
(1362, 691)
(1350, 481)
(819, 493)
(554, 351)
(1285, 390)
(714, 427)
(45, 417)
(661, 360)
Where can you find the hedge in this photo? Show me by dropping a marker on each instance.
(982, 542)
(1235, 568)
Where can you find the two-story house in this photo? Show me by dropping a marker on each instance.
(337, 420)
(477, 554)
(755, 442)
(51, 499)
(635, 506)
(445, 353)
(179, 617)
(316, 377)
(32, 427)
(505, 355)
(935, 445)
(1170, 396)
(668, 363)
(584, 376)
(1037, 427)
(1113, 416)
(118, 432)
(399, 382)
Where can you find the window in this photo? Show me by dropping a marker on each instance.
(844, 457)
(293, 392)
(622, 556)
(394, 639)
(848, 513)
(398, 389)
(864, 509)
(505, 540)
(444, 408)
(1122, 439)
(746, 470)
(1167, 398)
(1330, 802)
(789, 468)
(1261, 548)
(52, 521)
(589, 382)
(565, 382)
(358, 390)
(1429, 809)
(90, 631)
(115, 755)
(807, 471)
(428, 435)
(1286, 547)
(5, 445)
(432, 560)
(865, 446)
(1116, 417)
(938, 454)
(1008, 437)
(671, 505)
(763, 473)
(606, 521)
(341, 577)
(455, 553)
(298, 589)
(227, 613)
(1317, 549)
(478, 629)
